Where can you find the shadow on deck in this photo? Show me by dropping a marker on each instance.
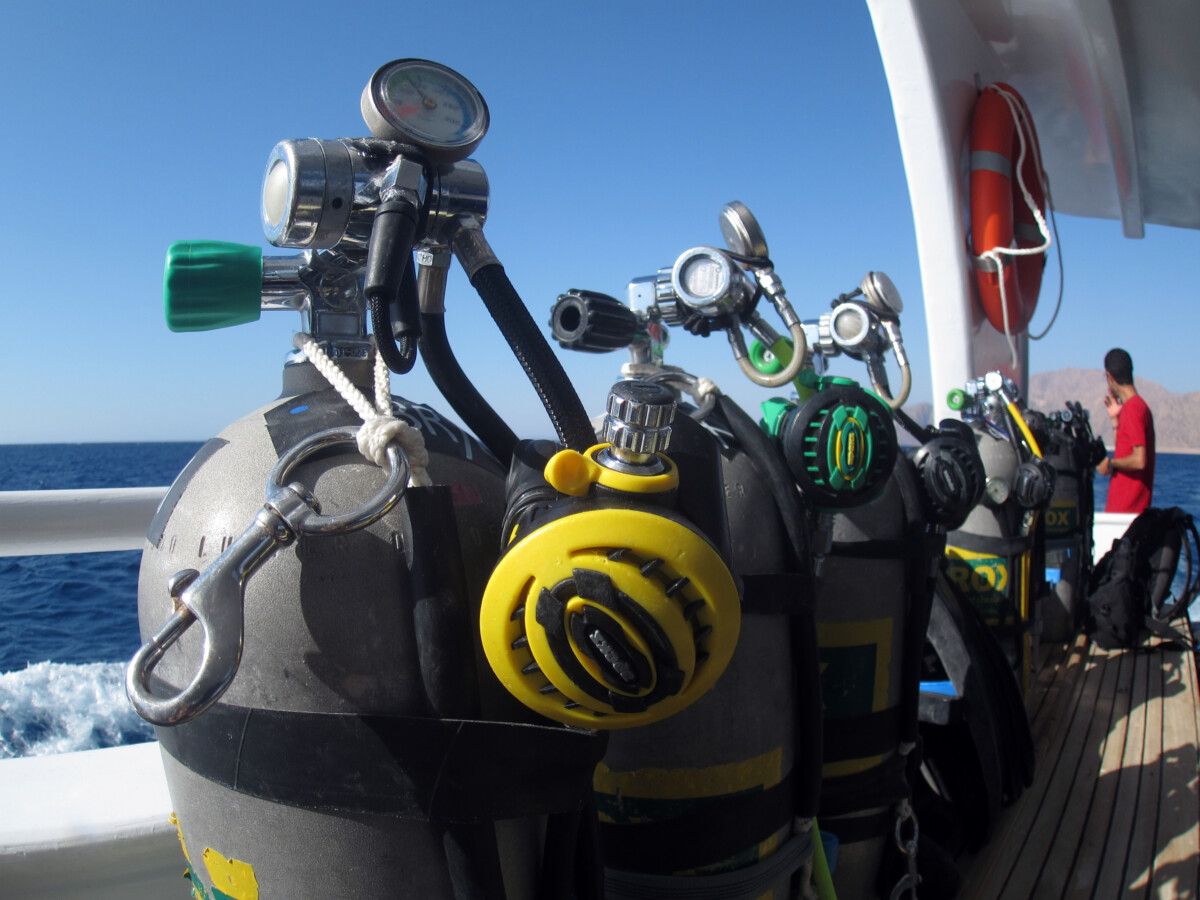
(1113, 810)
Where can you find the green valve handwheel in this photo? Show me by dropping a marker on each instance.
(840, 444)
(212, 284)
(956, 399)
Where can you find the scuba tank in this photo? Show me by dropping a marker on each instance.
(328, 719)
(996, 559)
(1074, 452)
(842, 448)
(720, 797)
(874, 590)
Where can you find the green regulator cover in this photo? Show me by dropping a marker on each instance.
(211, 284)
(840, 443)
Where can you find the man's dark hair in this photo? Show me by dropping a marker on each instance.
(1119, 365)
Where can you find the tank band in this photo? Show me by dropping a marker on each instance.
(444, 770)
(701, 836)
(741, 884)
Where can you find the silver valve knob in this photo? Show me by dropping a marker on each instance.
(638, 423)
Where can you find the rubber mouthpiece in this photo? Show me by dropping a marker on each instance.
(211, 284)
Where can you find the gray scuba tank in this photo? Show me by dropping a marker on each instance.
(362, 749)
(706, 798)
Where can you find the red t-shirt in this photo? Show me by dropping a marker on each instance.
(1131, 492)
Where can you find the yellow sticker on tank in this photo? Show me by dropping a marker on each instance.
(232, 877)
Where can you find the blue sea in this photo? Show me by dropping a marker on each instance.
(68, 623)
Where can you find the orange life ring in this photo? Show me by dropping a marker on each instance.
(999, 211)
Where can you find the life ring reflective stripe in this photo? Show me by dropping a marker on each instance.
(1000, 215)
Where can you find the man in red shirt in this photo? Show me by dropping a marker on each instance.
(1132, 463)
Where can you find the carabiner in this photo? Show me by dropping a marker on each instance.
(215, 597)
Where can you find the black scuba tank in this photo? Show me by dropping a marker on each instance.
(712, 796)
(363, 748)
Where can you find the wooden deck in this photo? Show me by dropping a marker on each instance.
(1113, 811)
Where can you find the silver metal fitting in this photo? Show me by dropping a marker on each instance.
(638, 421)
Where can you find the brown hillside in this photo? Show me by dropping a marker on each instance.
(1176, 416)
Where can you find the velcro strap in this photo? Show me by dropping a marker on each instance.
(741, 884)
(701, 835)
(445, 770)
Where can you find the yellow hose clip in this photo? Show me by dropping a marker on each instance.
(573, 473)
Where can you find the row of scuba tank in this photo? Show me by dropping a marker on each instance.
(682, 651)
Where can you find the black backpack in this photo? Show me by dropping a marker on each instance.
(1130, 588)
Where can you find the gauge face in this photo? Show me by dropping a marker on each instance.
(426, 104)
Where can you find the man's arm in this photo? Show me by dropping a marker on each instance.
(1134, 462)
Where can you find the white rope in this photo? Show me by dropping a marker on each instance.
(379, 427)
(995, 253)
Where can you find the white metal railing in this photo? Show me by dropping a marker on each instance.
(110, 806)
(35, 523)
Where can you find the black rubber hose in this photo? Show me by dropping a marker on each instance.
(783, 486)
(803, 627)
(460, 391)
(390, 275)
(546, 374)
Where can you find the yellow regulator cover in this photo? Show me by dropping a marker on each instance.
(610, 618)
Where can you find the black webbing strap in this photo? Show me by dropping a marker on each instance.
(700, 836)
(445, 770)
(741, 884)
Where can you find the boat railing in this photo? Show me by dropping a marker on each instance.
(38, 523)
(109, 807)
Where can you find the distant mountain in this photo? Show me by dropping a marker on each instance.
(1176, 416)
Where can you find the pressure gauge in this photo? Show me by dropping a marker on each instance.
(427, 105)
(881, 294)
(997, 490)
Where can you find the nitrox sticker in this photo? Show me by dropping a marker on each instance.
(855, 657)
(1062, 517)
(982, 579)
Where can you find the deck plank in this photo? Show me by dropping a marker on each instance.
(1054, 657)
(986, 873)
(1100, 814)
(1145, 823)
(1065, 839)
(1056, 786)
(1177, 847)
(1110, 879)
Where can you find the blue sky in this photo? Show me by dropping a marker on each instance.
(618, 131)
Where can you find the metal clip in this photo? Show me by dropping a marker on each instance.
(908, 883)
(215, 597)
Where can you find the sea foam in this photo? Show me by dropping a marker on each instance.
(58, 708)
